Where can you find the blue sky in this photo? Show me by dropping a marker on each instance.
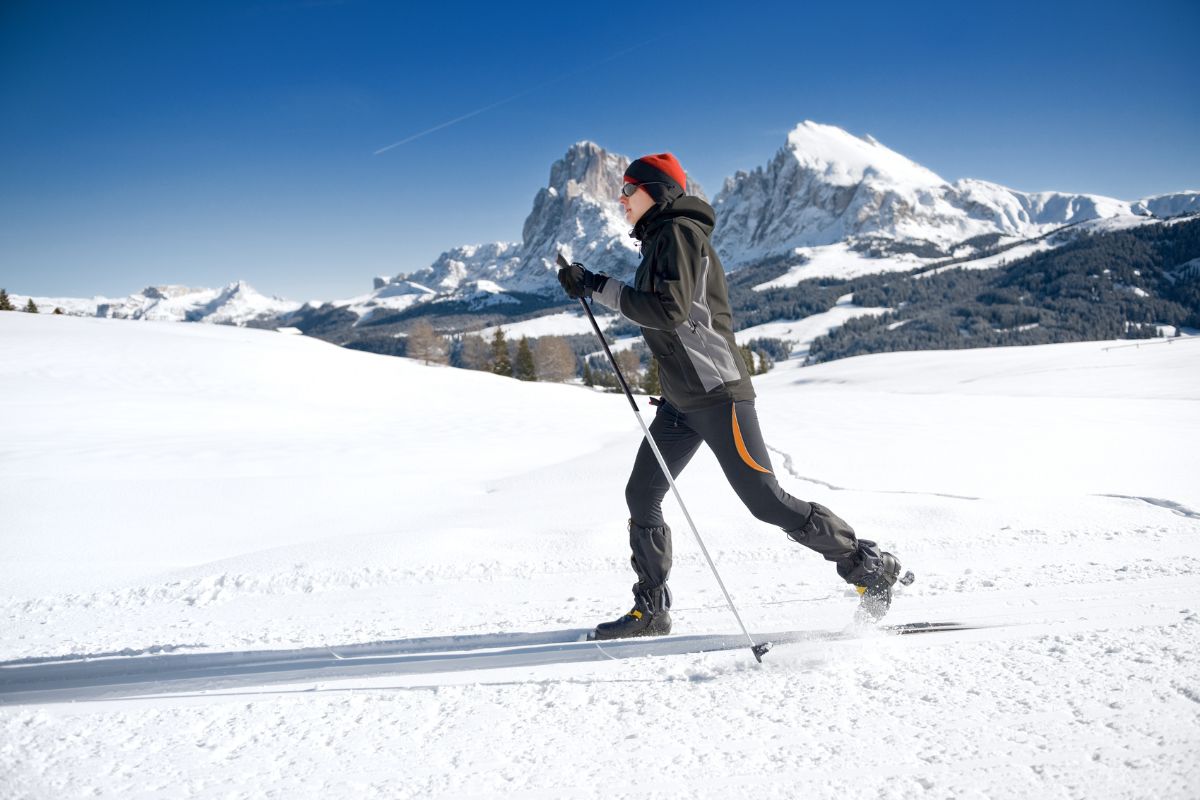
(205, 142)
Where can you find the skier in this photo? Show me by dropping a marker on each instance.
(680, 300)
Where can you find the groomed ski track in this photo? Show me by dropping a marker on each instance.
(155, 674)
(71, 679)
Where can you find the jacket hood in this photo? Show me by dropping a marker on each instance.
(687, 206)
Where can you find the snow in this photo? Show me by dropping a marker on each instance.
(1050, 241)
(838, 261)
(1170, 205)
(1001, 259)
(566, 323)
(829, 187)
(76, 306)
(844, 159)
(236, 304)
(801, 333)
(200, 489)
(390, 297)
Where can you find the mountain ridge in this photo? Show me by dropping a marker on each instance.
(830, 203)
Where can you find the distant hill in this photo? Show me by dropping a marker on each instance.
(1134, 283)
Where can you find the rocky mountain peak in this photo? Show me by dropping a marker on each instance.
(587, 169)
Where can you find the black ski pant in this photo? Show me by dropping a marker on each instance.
(731, 431)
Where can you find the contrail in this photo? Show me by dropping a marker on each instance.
(517, 96)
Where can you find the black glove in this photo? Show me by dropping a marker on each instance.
(578, 281)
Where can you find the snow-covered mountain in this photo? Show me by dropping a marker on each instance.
(828, 204)
(827, 187)
(835, 203)
(236, 304)
(576, 213)
(1169, 205)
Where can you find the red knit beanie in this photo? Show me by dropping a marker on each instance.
(660, 167)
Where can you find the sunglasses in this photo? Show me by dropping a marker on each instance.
(629, 189)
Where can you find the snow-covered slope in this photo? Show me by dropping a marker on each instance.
(800, 334)
(1056, 238)
(236, 304)
(203, 489)
(1169, 205)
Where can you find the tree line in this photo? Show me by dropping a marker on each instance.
(560, 359)
(1114, 285)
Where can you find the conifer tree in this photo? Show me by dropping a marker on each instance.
(5, 303)
(501, 363)
(588, 380)
(30, 307)
(524, 369)
(650, 384)
(748, 357)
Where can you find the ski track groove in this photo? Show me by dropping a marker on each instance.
(789, 468)
(1169, 505)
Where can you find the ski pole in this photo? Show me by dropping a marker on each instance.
(757, 649)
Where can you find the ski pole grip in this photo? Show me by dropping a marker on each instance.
(563, 263)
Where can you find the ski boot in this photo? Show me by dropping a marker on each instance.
(650, 616)
(650, 557)
(873, 573)
(876, 592)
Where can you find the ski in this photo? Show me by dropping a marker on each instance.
(713, 644)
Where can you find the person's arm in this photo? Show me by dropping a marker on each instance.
(677, 263)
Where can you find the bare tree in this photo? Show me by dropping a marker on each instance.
(554, 359)
(475, 353)
(426, 344)
(630, 364)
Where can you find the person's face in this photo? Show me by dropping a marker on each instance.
(636, 205)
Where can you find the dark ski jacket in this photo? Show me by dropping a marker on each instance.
(680, 300)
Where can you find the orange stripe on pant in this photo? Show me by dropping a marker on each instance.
(741, 444)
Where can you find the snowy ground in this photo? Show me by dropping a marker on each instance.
(198, 489)
(838, 261)
(564, 323)
(801, 333)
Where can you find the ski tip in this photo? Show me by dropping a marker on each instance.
(908, 578)
(760, 650)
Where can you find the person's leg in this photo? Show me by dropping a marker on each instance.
(647, 485)
(649, 534)
(733, 433)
